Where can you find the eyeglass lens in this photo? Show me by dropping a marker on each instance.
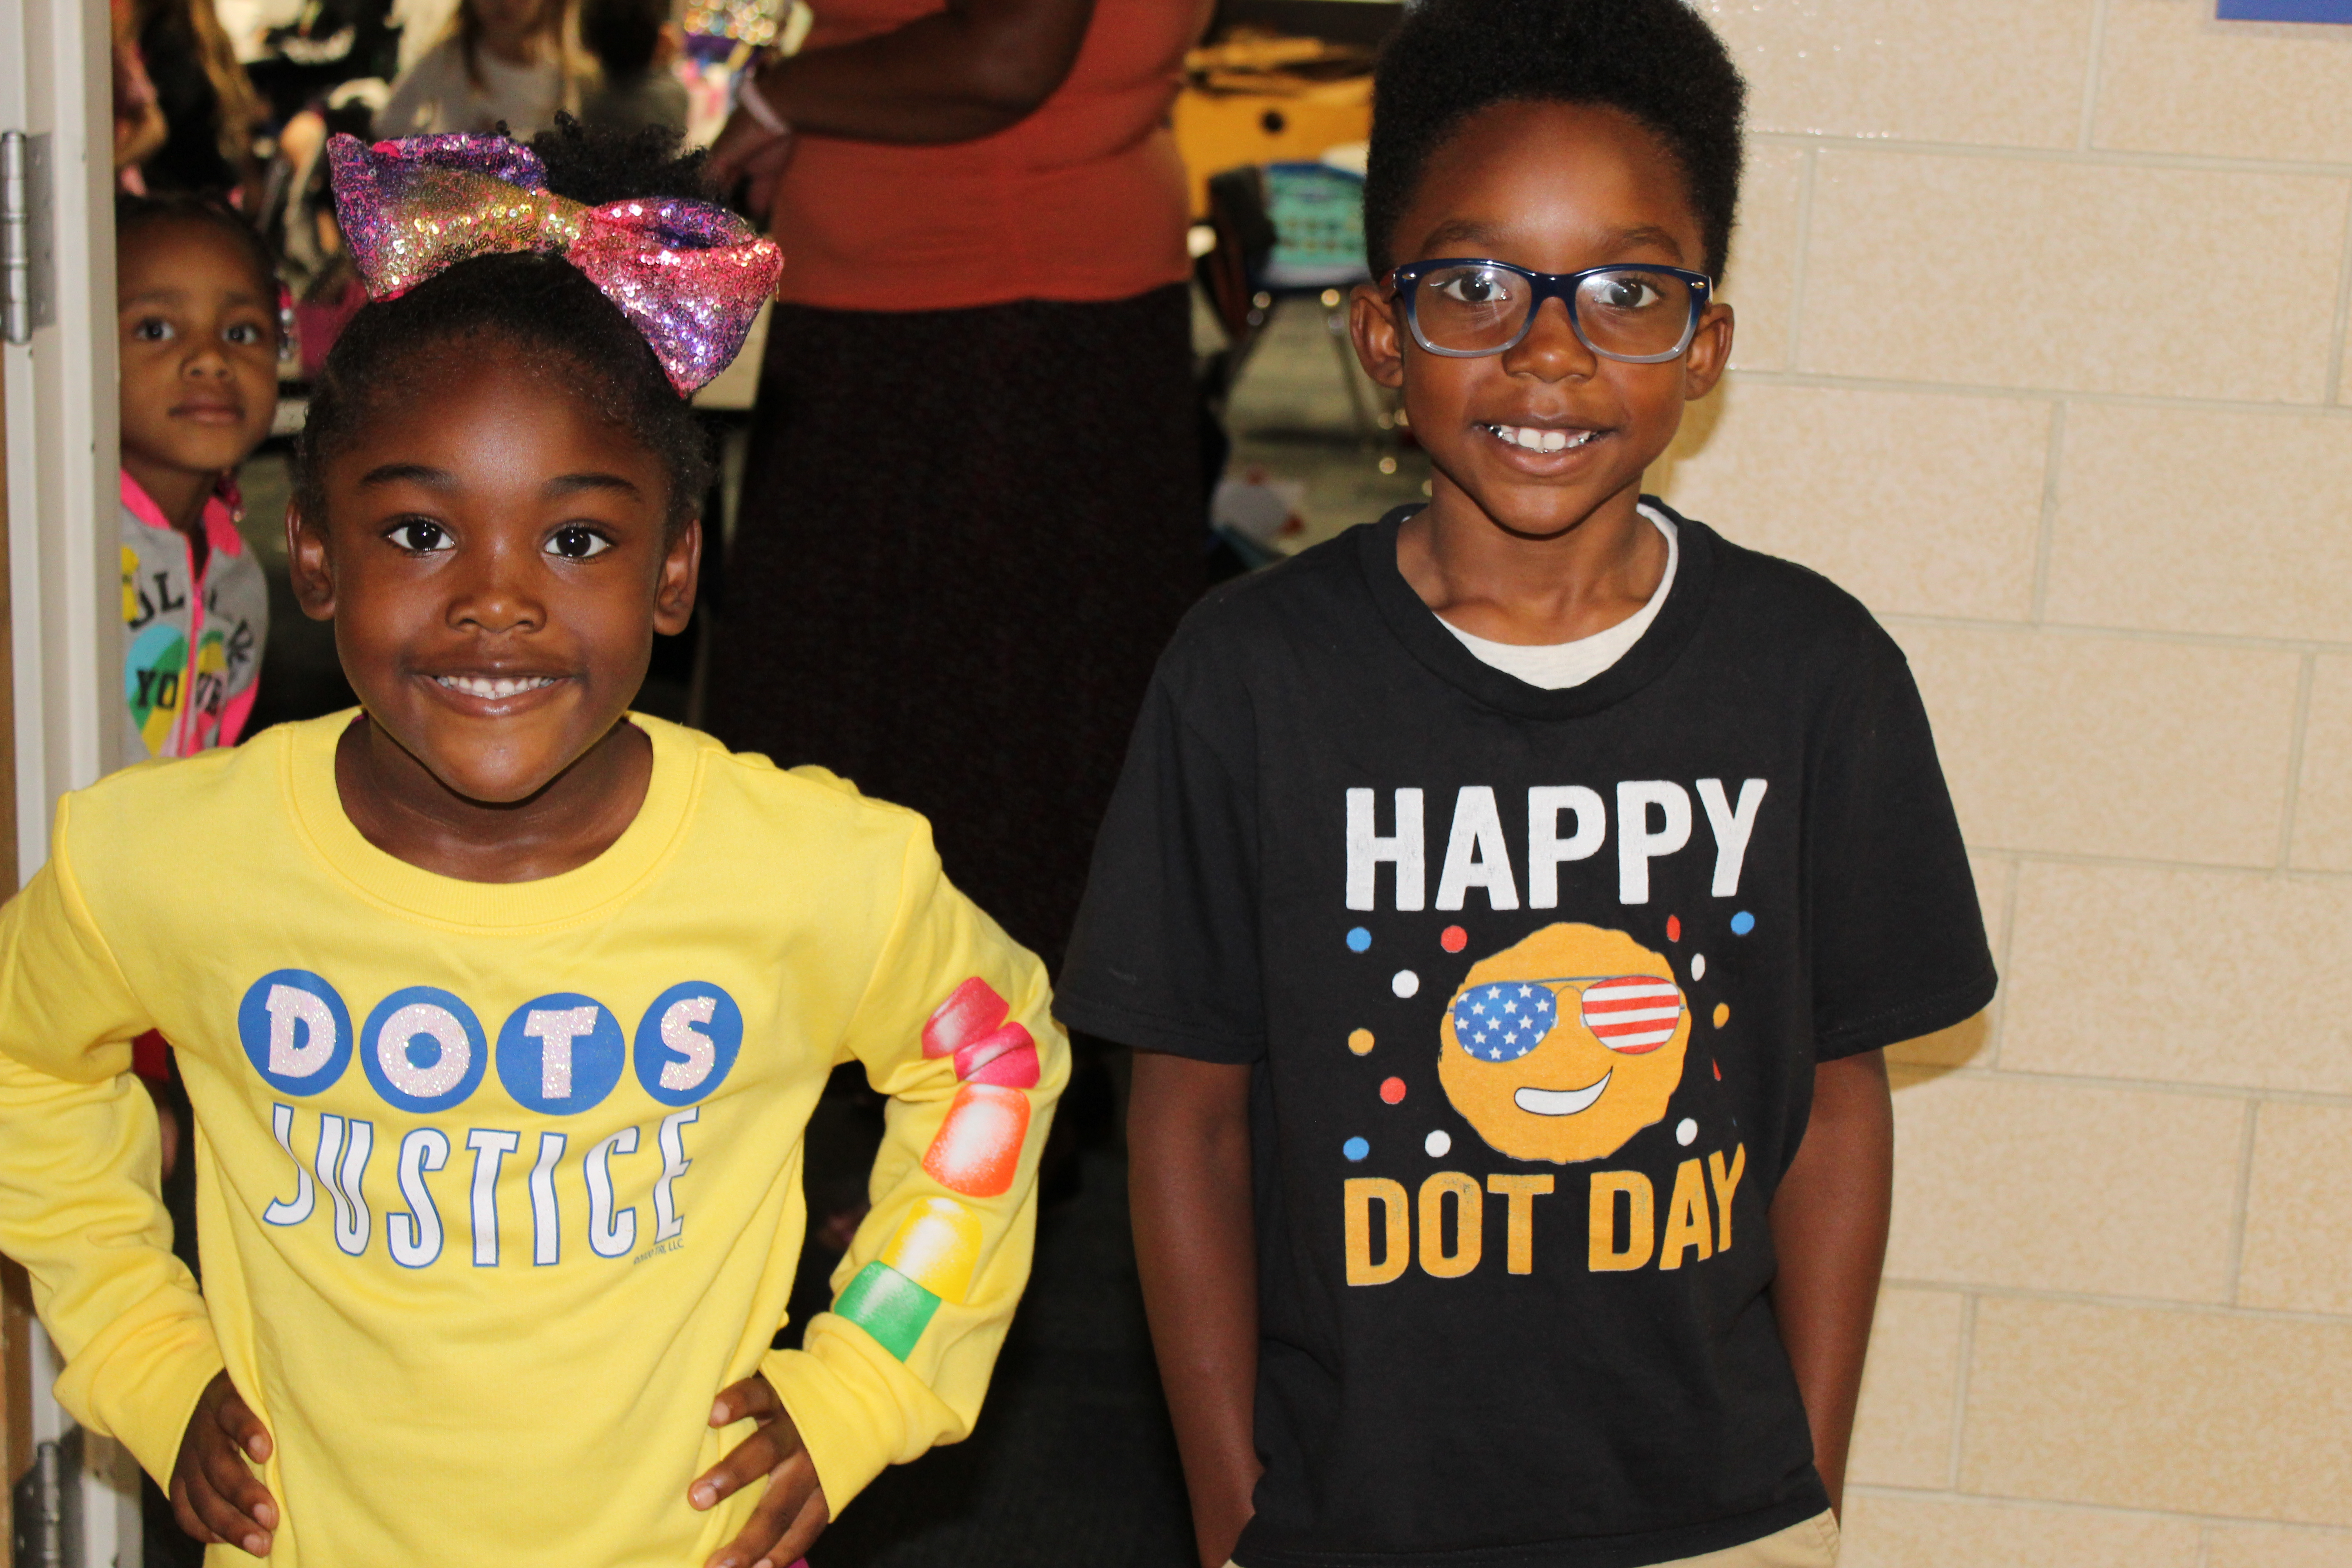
(1621, 312)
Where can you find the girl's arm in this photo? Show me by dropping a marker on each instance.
(1829, 1227)
(1195, 1245)
(79, 1163)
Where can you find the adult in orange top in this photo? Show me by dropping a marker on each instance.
(972, 511)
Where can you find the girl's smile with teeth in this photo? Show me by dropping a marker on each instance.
(1530, 438)
(496, 686)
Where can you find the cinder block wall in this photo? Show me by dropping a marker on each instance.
(2042, 352)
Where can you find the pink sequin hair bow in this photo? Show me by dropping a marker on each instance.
(689, 274)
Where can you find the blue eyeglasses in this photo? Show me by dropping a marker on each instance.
(1463, 307)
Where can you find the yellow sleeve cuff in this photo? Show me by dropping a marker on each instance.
(153, 1417)
(850, 1399)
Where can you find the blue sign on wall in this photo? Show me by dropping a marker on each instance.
(2287, 11)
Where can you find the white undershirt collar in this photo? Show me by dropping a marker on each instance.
(1554, 667)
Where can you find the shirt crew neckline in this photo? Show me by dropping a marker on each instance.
(418, 894)
(1439, 651)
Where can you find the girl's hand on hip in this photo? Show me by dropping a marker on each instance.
(793, 1511)
(216, 1495)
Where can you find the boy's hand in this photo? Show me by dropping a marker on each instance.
(793, 1510)
(215, 1496)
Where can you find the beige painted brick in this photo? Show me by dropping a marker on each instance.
(1995, 876)
(2275, 1546)
(1966, 1042)
(1914, 504)
(2187, 977)
(2009, 1180)
(2197, 1412)
(2174, 79)
(2323, 800)
(1903, 1429)
(2098, 745)
(2010, 272)
(1914, 69)
(1889, 1531)
(1759, 279)
(2144, 511)
(2298, 1252)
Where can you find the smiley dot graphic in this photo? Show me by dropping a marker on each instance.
(1742, 924)
(1358, 940)
(1355, 1149)
(1405, 982)
(1454, 938)
(1438, 1144)
(1686, 1132)
(1360, 1041)
(1393, 1091)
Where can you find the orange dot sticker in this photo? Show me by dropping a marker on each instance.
(1722, 1014)
(1454, 938)
(1673, 928)
(1360, 1041)
(979, 1144)
(1393, 1091)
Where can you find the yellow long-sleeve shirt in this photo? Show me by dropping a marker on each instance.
(497, 1185)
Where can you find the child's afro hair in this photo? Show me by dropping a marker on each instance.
(534, 304)
(134, 214)
(1656, 60)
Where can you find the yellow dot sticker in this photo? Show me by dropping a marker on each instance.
(936, 1246)
(1722, 1014)
(1360, 1041)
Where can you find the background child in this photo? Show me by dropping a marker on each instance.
(197, 299)
(1521, 891)
(504, 1054)
(505, 62)
(634, 85)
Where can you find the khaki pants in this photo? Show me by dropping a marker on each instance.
(1811, 1544)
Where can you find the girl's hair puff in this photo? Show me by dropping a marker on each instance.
(535, 302)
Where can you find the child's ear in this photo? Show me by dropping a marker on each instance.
(1372, 324)
(307, 562)
(1709, 352)
(681, 568)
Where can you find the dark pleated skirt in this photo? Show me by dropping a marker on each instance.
(965, 536)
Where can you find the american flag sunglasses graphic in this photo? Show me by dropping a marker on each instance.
(1502, 1020)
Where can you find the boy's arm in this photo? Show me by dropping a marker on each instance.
(1195, 1246)
(1829, 1229)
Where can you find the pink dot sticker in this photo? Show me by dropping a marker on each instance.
(1393, 1091)
(1454, 938)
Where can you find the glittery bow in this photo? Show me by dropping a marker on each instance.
(689, 275)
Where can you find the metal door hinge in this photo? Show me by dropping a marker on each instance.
(48, 1506)
(28, 295)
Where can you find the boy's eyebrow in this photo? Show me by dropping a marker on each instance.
(572, 484)
(1470, 231)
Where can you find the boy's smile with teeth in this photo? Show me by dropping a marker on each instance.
(1532, 438)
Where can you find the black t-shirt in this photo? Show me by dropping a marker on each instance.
(1534, 982)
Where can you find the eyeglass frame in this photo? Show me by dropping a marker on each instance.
(1404, 281)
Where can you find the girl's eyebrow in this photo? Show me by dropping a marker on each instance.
(409, 473)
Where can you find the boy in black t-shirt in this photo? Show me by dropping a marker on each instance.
(1509, 902)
